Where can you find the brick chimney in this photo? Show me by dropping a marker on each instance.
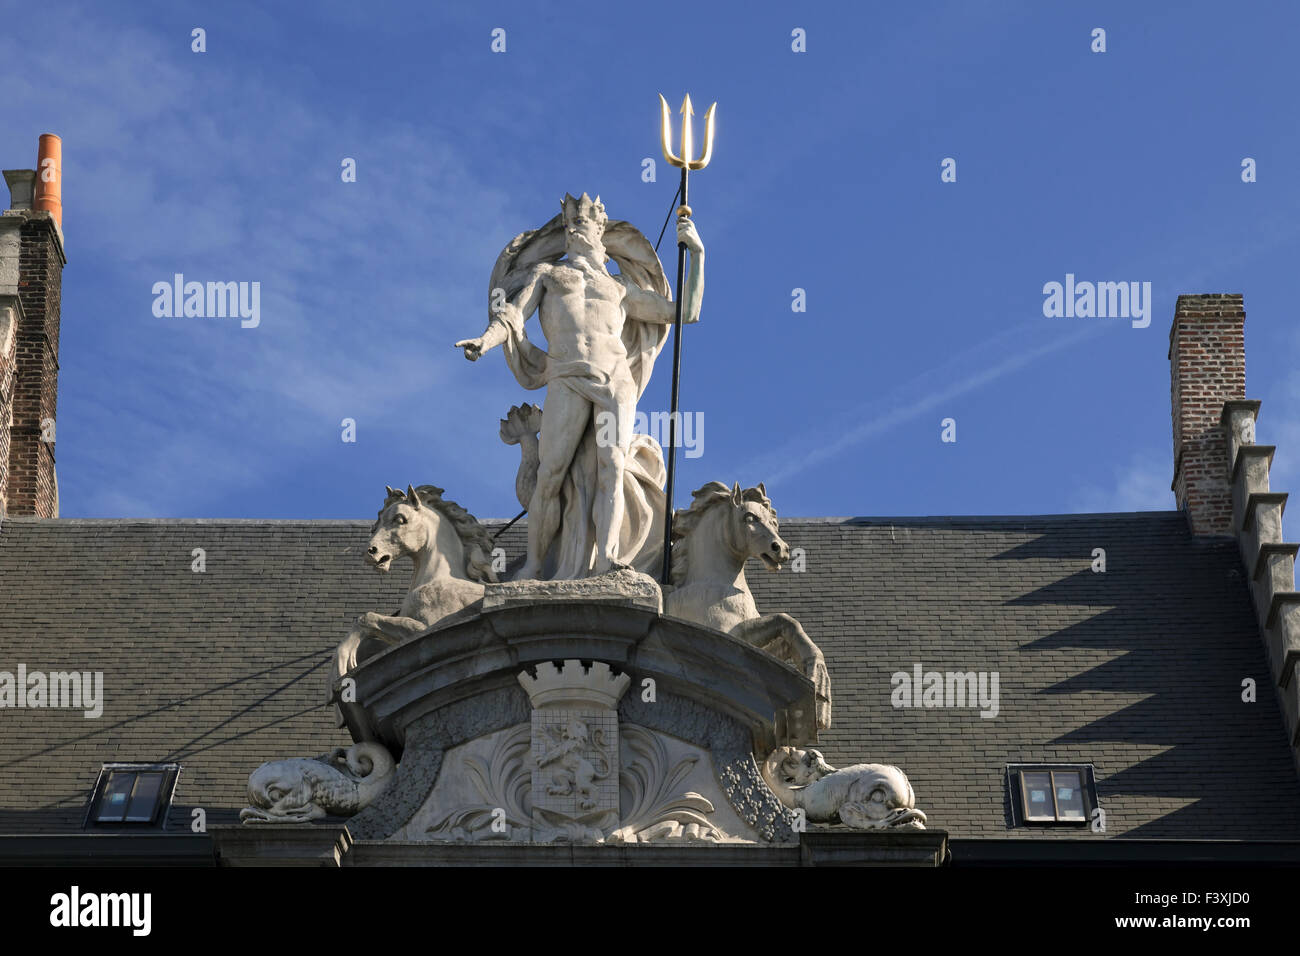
(31, 272)
(1207, 364)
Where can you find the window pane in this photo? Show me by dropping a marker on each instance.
(112, 803)
(1038, 796)
(1069, 795)
(145, 798)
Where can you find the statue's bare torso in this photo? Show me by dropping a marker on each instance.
(582, 315)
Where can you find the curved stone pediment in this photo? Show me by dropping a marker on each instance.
(483, 653)
(581, 721)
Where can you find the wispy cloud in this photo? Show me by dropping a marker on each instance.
(966, 372)
(1140, 484)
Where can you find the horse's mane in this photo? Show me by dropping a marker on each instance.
(477, 542)
(687, 520)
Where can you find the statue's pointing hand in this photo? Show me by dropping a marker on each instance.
(506, 315)
(473, 348)
(687, 235)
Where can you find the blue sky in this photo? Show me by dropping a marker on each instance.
(924, 299)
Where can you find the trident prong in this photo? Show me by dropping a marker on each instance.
(684, 161)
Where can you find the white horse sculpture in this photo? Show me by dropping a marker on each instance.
(452, 553)
(712, 540)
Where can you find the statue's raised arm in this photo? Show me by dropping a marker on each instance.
(643, 305)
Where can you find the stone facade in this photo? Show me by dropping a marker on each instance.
(503, 744)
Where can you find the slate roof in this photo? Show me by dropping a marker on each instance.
(1137, 671)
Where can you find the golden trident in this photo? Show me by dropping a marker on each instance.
(666, 135)
(686, 164)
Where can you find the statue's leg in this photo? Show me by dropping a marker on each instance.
(564, 419)
(611, 461)
(395, 630)
(345, 658)
(784, 631)
(390, 630)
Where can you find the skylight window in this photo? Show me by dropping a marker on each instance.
(137, 794)
(1052, 793)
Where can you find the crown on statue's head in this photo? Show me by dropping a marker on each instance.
(591, 208)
